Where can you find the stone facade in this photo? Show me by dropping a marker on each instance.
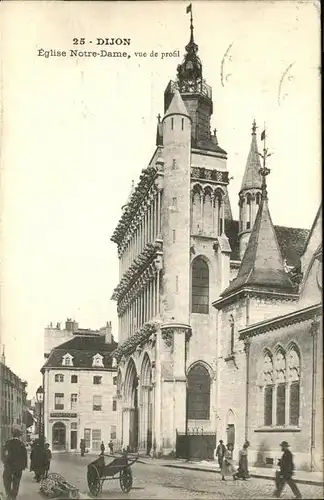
(182, 364)
(79, 382)
(13, 396)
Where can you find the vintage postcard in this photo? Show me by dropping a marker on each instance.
(161, 250)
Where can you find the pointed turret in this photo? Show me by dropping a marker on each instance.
(262, 264)
(252, 177)
(250, 193)
(177, 106)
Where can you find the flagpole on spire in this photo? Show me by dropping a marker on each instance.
(189, 9)
(264, 171)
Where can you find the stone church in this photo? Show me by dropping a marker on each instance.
(209, 343)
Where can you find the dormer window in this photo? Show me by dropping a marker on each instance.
(67, 360)
(97, 361)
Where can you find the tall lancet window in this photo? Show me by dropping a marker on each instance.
(196, 210)
(280, 377)
(294, 385)
(248, 212)
(268, 388)
(208, 211)
(219, 212)
(200, 286)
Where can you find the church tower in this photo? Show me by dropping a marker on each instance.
(197, 96)
(250, 193)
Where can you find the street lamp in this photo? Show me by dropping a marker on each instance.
(40, 399)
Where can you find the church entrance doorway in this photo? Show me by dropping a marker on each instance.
(146, 417)
(131, 407)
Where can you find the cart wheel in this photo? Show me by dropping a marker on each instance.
(94, 482)
(126, 479)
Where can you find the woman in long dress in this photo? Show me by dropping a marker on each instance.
(227, 466)
(243, 472)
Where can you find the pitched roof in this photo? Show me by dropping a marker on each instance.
(262, 263)
(177, 106)
(82, 348)
(252, 177)
(291, 241)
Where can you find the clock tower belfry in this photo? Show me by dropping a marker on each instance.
(196, 94)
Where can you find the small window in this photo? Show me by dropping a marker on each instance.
(172, 123)
(174, 202)
(97, 360)
(200, 287)
(114, 405)
(96, 439)
(112, 432)
(97, 405)
(74, 400)
(59, 377)
(97, 380)
(74, 379)
(59, 401)
(67, 360)
(182, 123)
(114, 380)
(87, 437)
(174, 164)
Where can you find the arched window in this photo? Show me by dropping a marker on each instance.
(280, 379)
(59, 377)
(198, 393)
(268, 388)
(294, 385)
(200, 287)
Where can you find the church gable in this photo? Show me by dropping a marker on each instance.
(313, 241)
(311, 288)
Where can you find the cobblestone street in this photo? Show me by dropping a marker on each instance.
(156, 481)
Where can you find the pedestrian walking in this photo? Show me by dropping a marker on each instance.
(243, 471)
(220, 452)
(39, 459)
(111, 447)
(48, 457)
(284, 475)
(82, 447)
(227, 465)
(14, 457)
(102, 448)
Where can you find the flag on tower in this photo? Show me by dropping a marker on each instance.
(189, 8)
(263, 136)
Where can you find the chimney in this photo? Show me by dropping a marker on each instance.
(108, 333)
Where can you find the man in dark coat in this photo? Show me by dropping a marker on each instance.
(14, 457)
(286, 471)
(220, 452)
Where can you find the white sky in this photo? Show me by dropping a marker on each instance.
(75, 132)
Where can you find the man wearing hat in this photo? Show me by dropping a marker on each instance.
(286, 471)
(14, 457)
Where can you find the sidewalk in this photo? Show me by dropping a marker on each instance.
(29, 489)
(302, 477)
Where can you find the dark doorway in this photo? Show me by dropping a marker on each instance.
(133, 424)
(74, 440)
(231, 434)
(59, 436)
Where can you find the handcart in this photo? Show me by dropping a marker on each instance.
(119, 468)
